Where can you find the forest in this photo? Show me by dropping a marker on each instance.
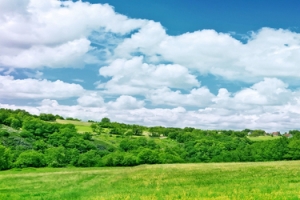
(28, 140)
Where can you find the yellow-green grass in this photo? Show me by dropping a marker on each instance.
(269, 180)
(263, 138)
(80, 125)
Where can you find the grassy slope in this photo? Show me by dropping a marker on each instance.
(86, 127)
(269, 180)
(80, 126)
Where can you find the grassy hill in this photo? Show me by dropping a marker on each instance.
(261, 180)
(28, 141)
(38, 141)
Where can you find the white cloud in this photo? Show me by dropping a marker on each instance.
(145, 40)
(54, 33)
(69, 54)
(49, 102)
(135, 77)
(11, 88)
(125, 102)
(10, 7)
(267, 92)
(199, 97)
(37, 33)
(91, 100)
(267, 53)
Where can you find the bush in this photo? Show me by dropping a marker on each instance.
(26, 134)
(30, 158)
(129, 160)
(56, 157)
(47, 117)
(4, 133)
(5, 158)
(147, 156)
(88, 159)
(87, 136)
(72, 119)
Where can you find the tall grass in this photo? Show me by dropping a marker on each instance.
(270, 180)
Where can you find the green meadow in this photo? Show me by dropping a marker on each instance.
(261, 180)
(263, 138)
(81, 126)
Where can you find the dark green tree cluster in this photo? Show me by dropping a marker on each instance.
(47, 117)
(39, 143)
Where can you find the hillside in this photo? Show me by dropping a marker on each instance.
(47, 140)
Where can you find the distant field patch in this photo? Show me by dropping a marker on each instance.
(80, 126)
(263, 138)
(266, 180)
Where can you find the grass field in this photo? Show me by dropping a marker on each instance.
(269, 180)
(80, 125)
(263, 138)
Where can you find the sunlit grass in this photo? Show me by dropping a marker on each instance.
(82, 129)
(263, 138)
(269, 180)
(80, 125)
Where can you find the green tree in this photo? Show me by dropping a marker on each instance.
(72, 156)
(148, 156)
(5, 158)
(127, 145)
(293, 151)
(56, 157)
(30, 158)
(87, 136)
(88, 159)
(129, 160)
(16, 123)
(96, 128)
(47, 117)
(105, 120)
(40, 145)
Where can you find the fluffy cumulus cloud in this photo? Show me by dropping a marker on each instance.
(147, 76)
(125, 102)
(91, 100)
(268, 92)
(267, 52)
(54, 33)
(199, 97)
(11, 88)
(135, 77)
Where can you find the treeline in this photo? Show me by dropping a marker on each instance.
(38, 141)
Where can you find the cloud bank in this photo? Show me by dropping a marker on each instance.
(145, 75)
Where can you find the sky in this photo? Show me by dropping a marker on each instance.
(207, 64)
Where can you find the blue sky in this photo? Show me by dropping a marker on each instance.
(241, 17)
(207, 64)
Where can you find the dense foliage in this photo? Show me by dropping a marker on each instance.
(37, 141)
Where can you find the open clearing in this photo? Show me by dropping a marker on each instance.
(263, 138)
(80, 125)
(268, 180)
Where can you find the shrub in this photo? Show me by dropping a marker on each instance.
(30, 158)
(4, 133)
(5, 158)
